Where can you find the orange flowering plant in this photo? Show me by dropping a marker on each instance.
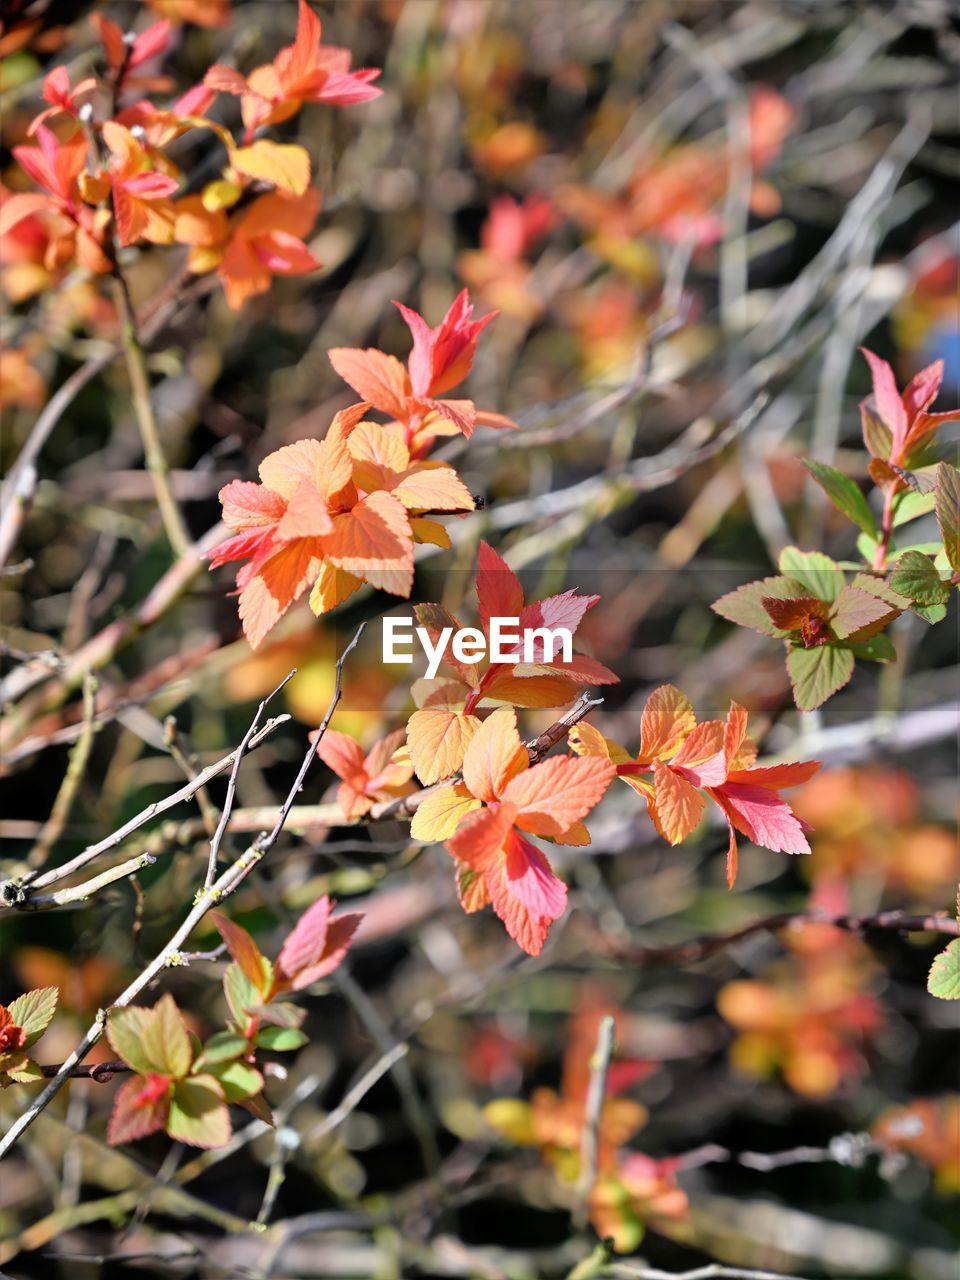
(356, 309)
(111, 183)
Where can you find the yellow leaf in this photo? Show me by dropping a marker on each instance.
(437, 739)
(585, 740)
(439, 814)
(286, 167)
(220, 195)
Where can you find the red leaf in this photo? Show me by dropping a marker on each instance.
(499, 593)
(315, 946)
(243, 949)
(140, 1107)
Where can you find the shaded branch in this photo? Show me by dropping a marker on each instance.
(709, 944)
(205, 900)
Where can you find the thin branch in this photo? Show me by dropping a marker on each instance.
(107, 643)
(15, 892)
(701, 948)
(205, 900)
(76, 766)
(81, 892)
(187, 763)
(21, 482)
(593, 1111)
(238, 755)
(98, 1072)
(712, 1271)
(177, 533)
(350, 1101)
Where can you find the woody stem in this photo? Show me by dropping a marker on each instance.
(136, 362)
(886, 529)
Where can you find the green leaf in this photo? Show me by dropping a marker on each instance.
(238, 1080)
(280, 1039)
(909, 505)
(876, 649)
(166, 1041)
(861, 615)
(948, 511)
(198, 1114)
(279, 1013)
(916, 576)
(33, 1012)
(944, 980)
(22, 1070)
(882, 590)
(127, 1032)
(844, 494)
(744, 606)
(241, 993)
(815, 572)
(222, 1047)
(818, 673)
(932, 613)
(876, 435)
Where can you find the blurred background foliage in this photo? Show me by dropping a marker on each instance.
(575, 165)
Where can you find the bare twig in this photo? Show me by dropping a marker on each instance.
(177, 532)
(593, 1111)
(206, 899)
(106, 644)
(21, 483)
(15, 892)
(238, 755)
(712, 1271)
(709, 944)
(76, 766)
(81, 892)
(99, 1072)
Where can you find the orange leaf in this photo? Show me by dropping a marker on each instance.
(344, 756)
(433, 486)
(494, 756)
(532, 690)
(376, 377)
(472, 890)
(272, 590)
(437, 739)
(552, 796)
(243, 949)
(430, 531)
(374, 535)
(734, 732)
(677, 807)
(499, 592)
(667, 719)
(306, 515)
(703, 742)
(284, 470)
(478, 840)
(331, 588)
(250, 506)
